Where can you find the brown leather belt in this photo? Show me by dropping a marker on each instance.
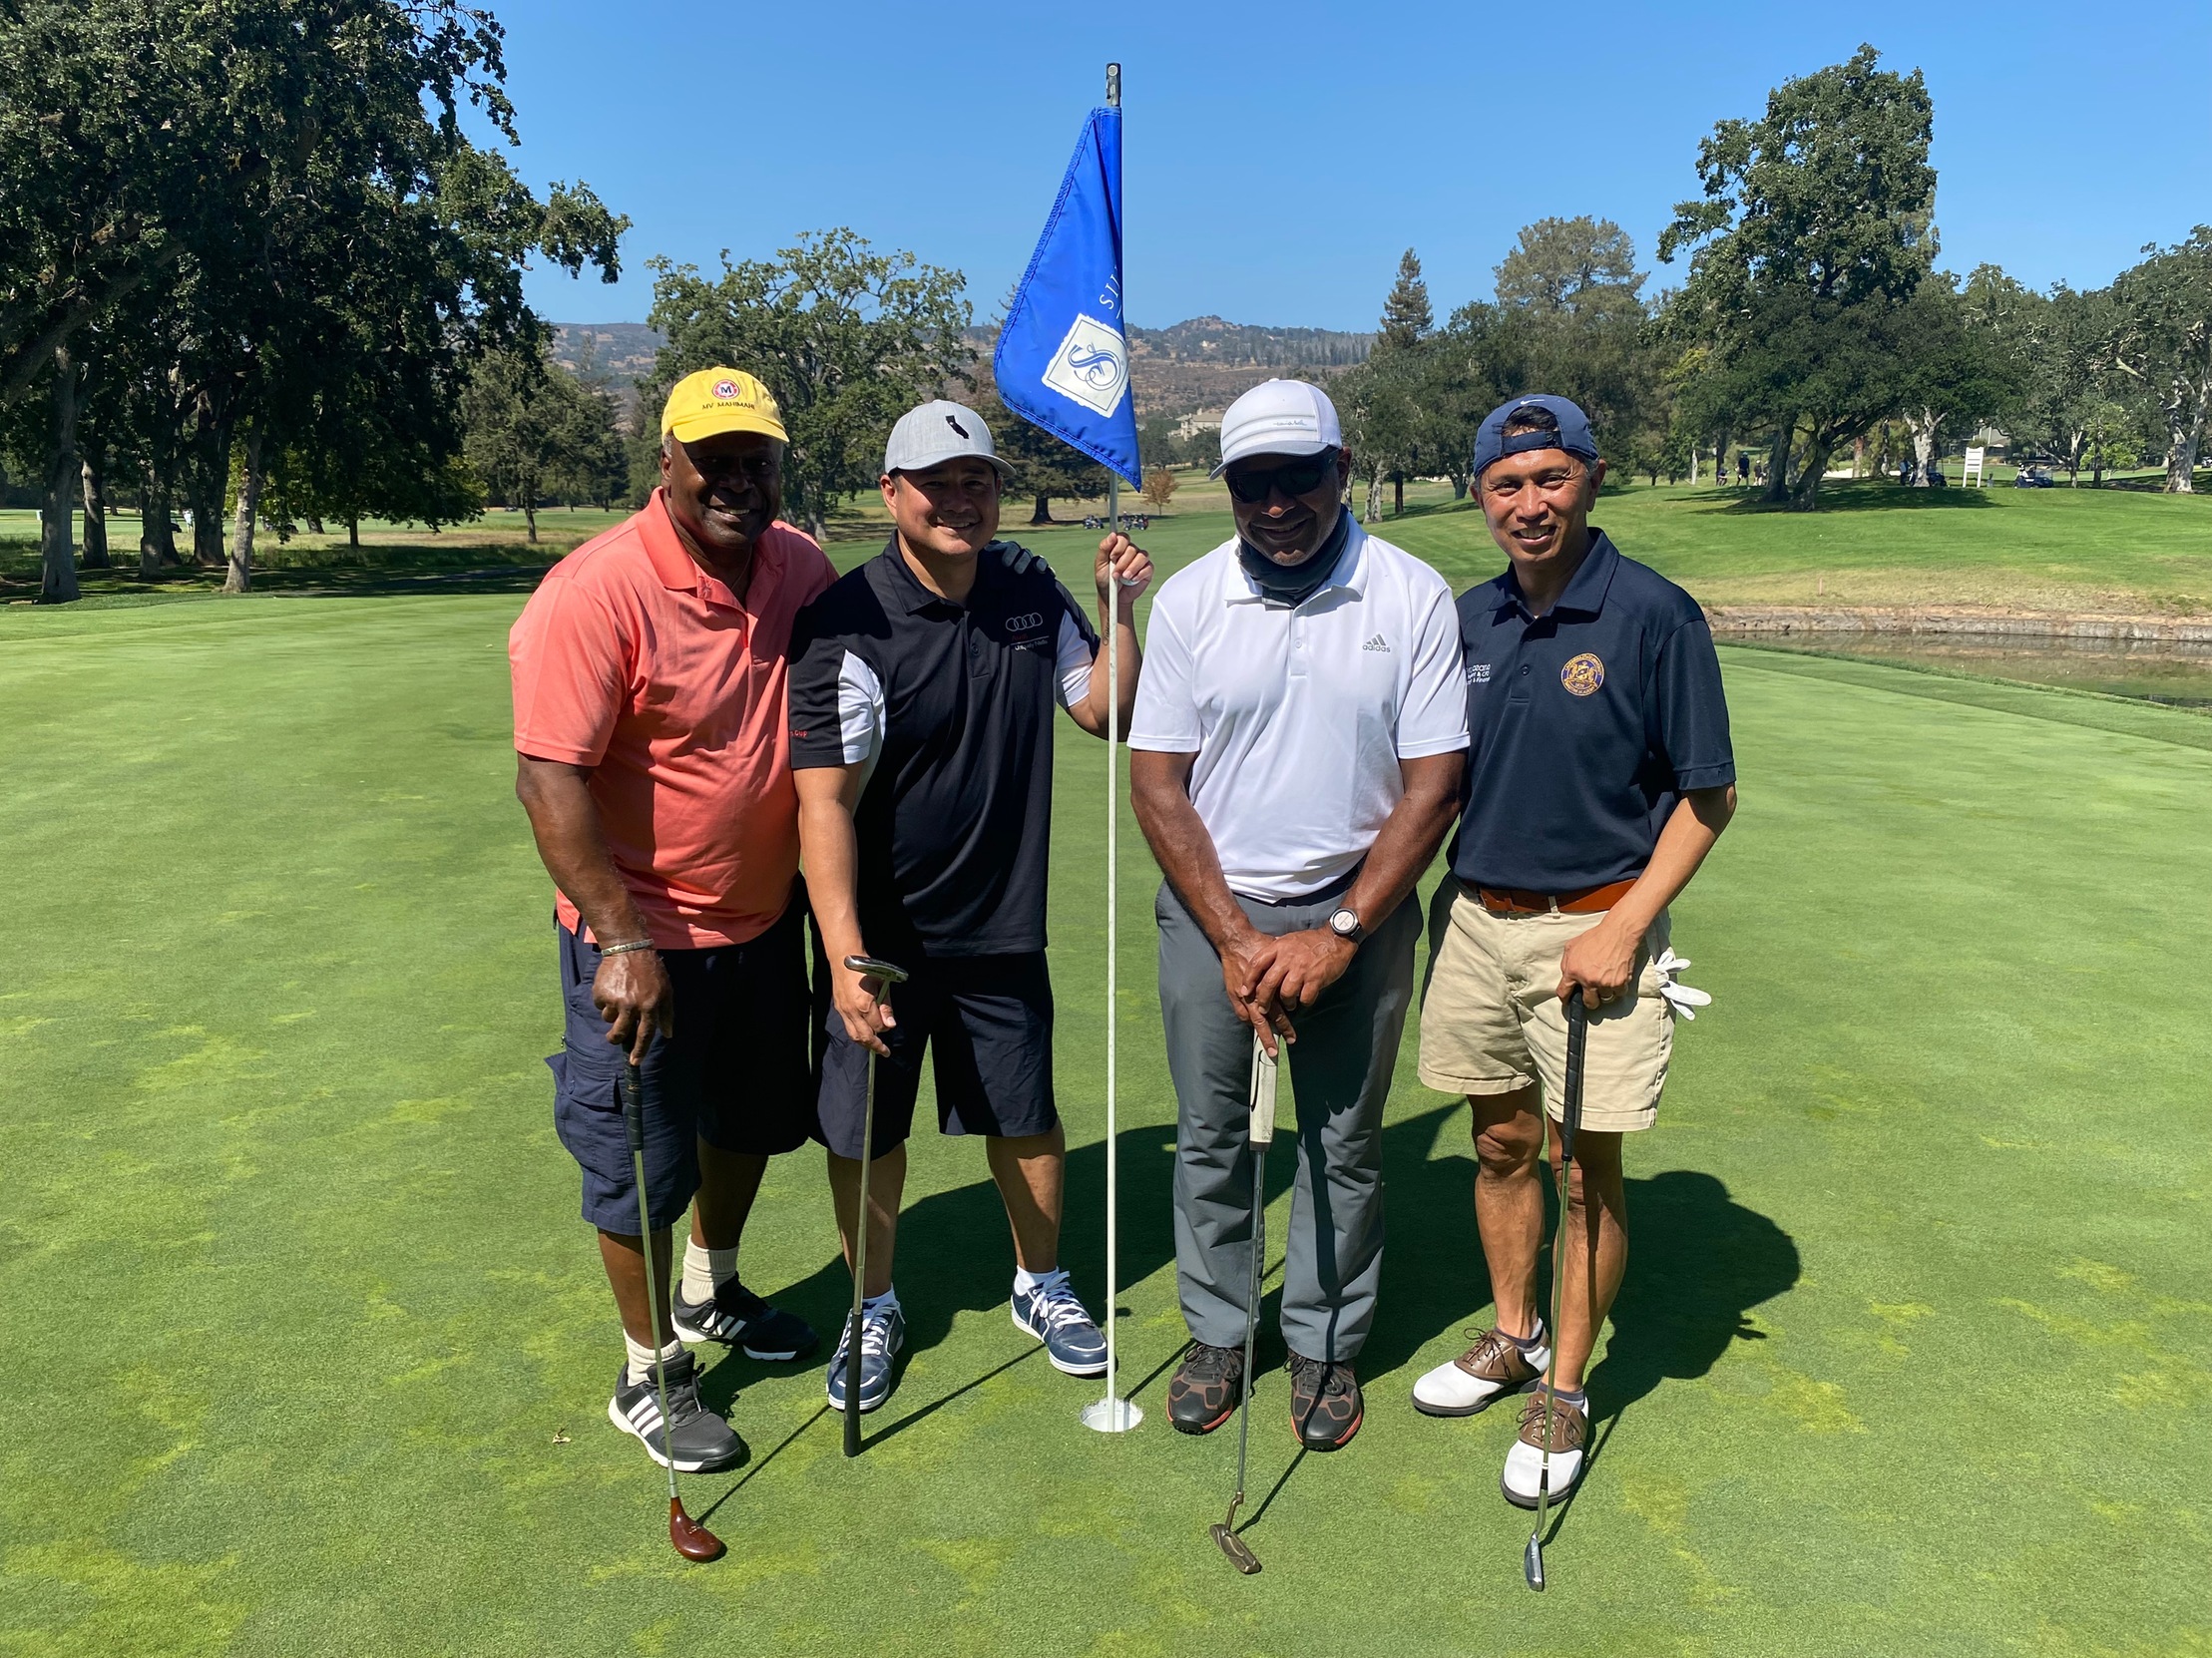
(1513, 901)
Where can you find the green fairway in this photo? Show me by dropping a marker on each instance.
(307, 1351)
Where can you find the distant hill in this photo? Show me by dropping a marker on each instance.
(622, 351)
(1201, 363)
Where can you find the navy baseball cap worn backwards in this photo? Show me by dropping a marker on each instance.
(1573, 435)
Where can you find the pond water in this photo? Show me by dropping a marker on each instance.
(2177, 675)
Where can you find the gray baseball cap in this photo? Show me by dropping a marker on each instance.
(937, 432)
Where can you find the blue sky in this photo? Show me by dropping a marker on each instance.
(1280, 157)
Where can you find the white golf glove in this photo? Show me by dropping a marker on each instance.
(1680, 999)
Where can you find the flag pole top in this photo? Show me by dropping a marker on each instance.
(1114, 85)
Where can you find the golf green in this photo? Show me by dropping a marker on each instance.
(306, 1351)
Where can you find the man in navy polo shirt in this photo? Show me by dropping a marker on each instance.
(922, 693)
(1600, 776)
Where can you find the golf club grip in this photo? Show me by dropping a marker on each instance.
(1264, 1073)
(634, 1106)
(1570, 1104)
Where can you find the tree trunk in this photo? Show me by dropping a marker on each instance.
(1458, 486)
(1778, 466)
(241, 576)
(353, 531)
(58, 575)
(1042, 513)
(204, 477)
(1374, 498)
(1693, 468)
(1925, 424)
(157, 534)
(2181, 464)
(1812, 466)
(530, 517)
(1398, 495)
(96, 518)
(314, 524)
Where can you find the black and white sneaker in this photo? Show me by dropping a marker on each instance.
(701, 1440)
(736, 1317)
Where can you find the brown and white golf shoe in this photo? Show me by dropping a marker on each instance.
(1495, 1366)
(1566, 1426)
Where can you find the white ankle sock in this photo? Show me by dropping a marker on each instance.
(706, 1271)
(641, 1357)
(886, 1302)
(1029, 1283)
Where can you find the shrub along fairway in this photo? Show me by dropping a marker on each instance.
(307, 1351)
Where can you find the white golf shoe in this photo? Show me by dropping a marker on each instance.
(1525, 1463)
(1495, 1366)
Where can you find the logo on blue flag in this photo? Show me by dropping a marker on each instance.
(1062, 361)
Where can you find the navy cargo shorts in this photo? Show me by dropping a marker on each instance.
(736, 1074)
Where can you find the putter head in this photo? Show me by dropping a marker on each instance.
(1239, 1554)
(1532, 1562)
(692, 1540)
(872, 967)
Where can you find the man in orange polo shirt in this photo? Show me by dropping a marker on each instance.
(653, 758)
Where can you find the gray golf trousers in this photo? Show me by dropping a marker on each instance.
(1340, 1070)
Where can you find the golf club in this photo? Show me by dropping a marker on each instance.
(1570, 1117)
(885, 975)
(1261, 1132)
(692, 1539)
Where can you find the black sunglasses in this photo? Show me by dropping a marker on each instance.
(1303, 476)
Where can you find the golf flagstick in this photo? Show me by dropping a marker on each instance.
(1112, 1414)
(692, 1539)
(1260, 1134)
(885, 975)
(1562, 1155)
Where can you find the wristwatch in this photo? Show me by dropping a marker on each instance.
(1345, 924)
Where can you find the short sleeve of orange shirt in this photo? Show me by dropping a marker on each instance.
(633, 660)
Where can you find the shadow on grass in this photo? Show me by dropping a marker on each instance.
(1697, 1263)
(1869, 495)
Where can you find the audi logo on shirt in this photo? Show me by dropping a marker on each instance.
(1026, 622)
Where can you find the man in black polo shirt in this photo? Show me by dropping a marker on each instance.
(1600, 776)
(922, 694)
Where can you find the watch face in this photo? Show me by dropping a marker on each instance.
(1345, 922)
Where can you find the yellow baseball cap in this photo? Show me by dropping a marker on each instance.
(717, 400)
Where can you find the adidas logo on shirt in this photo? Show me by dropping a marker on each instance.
(1378, 643)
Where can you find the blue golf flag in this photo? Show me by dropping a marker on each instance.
(1062, 361)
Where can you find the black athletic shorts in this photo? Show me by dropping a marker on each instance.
(735, 1073)
(987, 1022)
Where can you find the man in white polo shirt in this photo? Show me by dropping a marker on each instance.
(1295, 762)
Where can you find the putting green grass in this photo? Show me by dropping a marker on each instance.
(306, 1352)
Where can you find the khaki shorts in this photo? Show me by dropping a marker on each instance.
(1492, 1022)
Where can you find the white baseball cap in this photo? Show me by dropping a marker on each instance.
(1278, 417)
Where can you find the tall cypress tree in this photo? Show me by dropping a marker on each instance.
(1406, 314)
